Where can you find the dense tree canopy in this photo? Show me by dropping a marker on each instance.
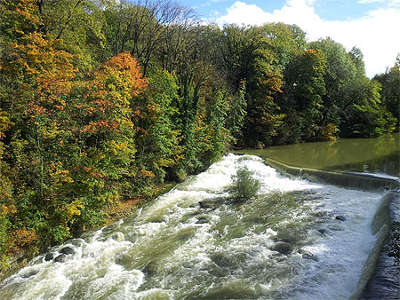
(103, 100)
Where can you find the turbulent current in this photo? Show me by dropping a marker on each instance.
(294, 240)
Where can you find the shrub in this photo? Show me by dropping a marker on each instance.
(328, 132)
(245, 186)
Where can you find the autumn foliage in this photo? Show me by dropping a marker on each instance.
(102, 103)
(71, 142)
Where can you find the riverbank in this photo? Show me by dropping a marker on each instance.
(119, 210)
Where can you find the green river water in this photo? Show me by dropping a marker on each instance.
(374, 155)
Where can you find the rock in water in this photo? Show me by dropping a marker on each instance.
(49, 256)
(282, 247)
(118, 236)
(61, 258)
(30, 273)
(202, 220)
(309, 255)
(210, 203)
(67, 251)
(77, 242)
(341, 218)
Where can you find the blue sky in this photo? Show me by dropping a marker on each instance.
(371, 25)
(327, 9)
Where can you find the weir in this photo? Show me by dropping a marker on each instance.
(296, 239)
(368, 182)
(381, 275)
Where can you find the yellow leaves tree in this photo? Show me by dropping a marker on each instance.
(37, 78)
(7, 207)
(104, 118)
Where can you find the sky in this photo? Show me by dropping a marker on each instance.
(371, 25)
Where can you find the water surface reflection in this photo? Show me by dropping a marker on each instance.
(374, 155)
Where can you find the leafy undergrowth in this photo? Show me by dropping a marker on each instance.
(123, 209)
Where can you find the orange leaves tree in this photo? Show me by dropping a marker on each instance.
(69, 143)
(7, 207)
(41, 76)
(105, 130)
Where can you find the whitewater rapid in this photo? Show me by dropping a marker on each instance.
(295, 240)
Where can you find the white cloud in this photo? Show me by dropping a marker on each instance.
(370, 1)
(375, 33)
(393, 3)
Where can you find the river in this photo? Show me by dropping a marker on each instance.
(294, 240)
(379, 156)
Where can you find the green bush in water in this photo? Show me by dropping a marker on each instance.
(245, 186)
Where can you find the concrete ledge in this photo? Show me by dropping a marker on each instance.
(344, 179)
(384, 282)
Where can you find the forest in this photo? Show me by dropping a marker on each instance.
(102, 101)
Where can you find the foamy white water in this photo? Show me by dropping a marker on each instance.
(285, 244)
